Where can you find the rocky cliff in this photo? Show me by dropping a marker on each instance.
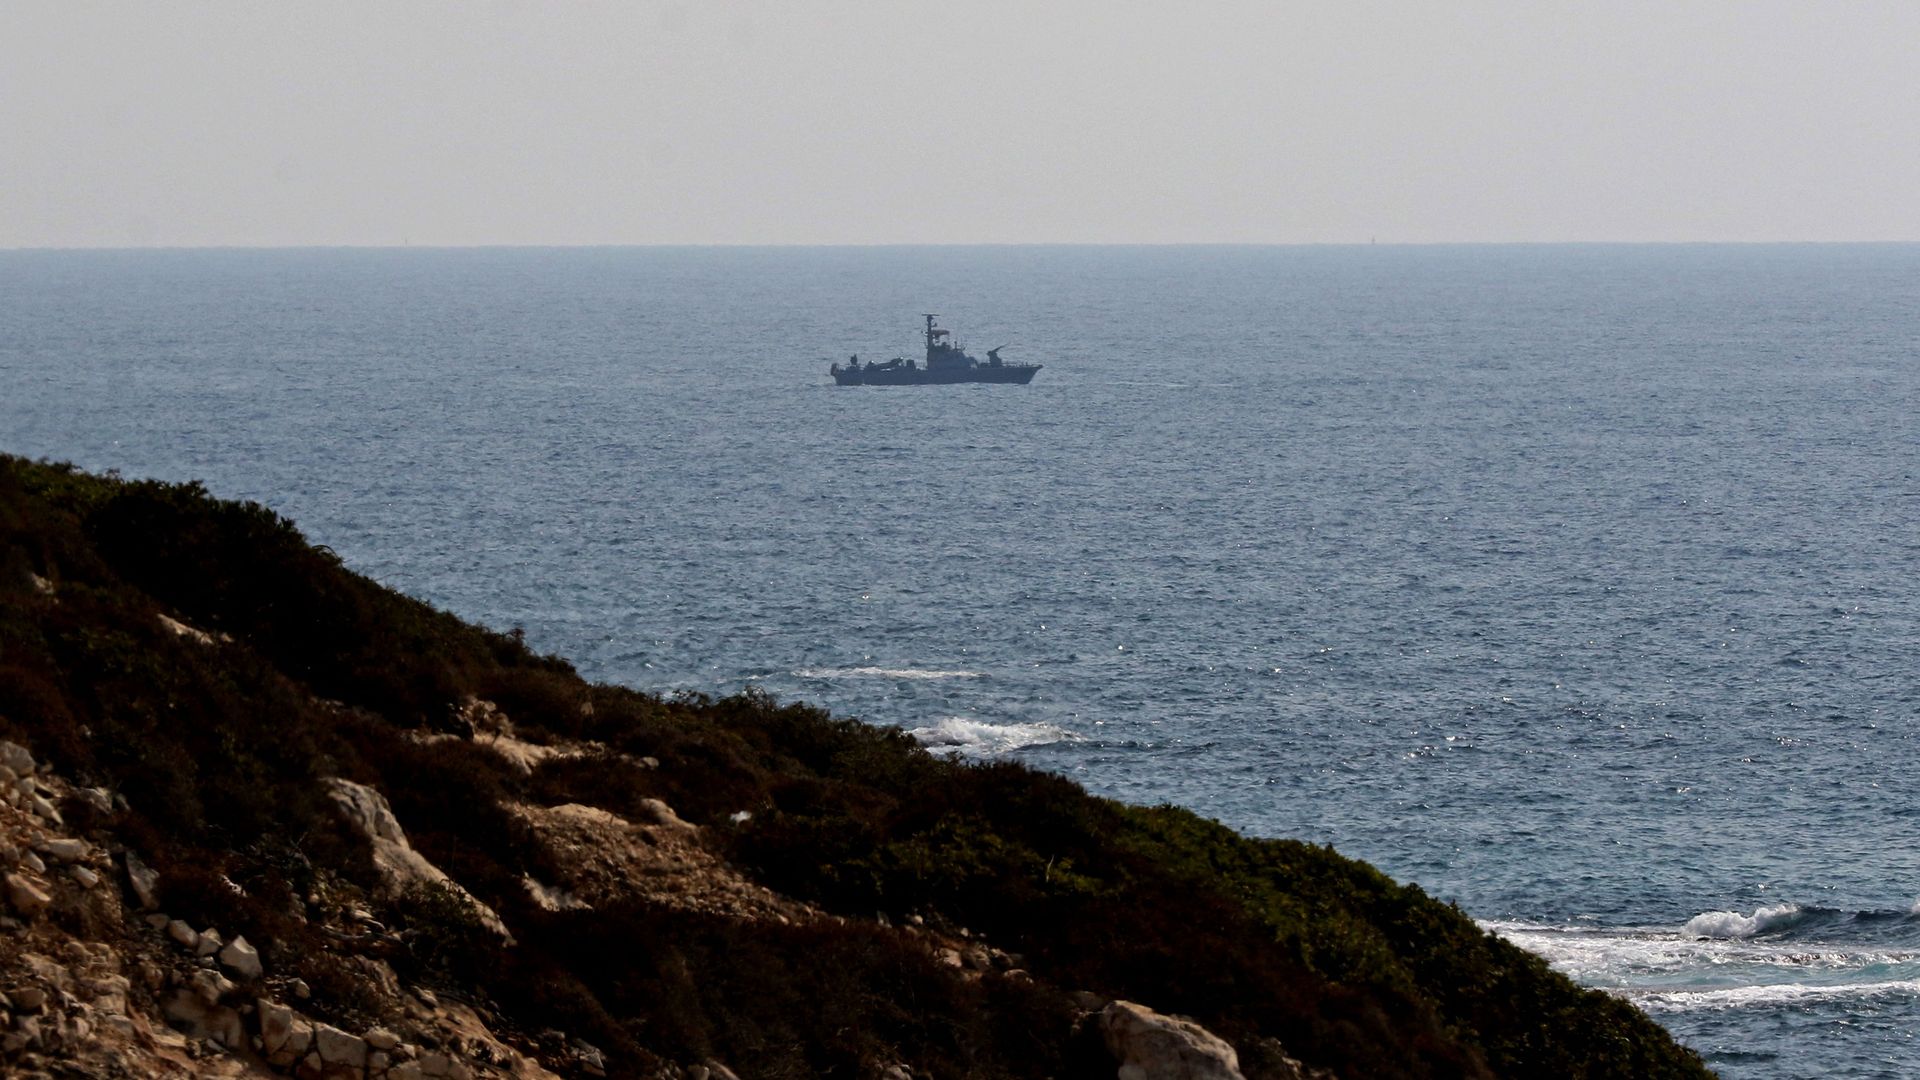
(259, 815)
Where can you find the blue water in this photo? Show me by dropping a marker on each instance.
(1576, 584)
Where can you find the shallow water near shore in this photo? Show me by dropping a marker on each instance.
(1572, 583)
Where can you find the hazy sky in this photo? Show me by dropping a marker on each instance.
(894, 121)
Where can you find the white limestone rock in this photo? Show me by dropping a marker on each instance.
(242, 959)
(145, 882)
(366, 812)
(97, 797)
(63, 848)
(299, 1043)
(659, 813)
(337, 1047)
(15, 758)
(552, 898)
(180, 629)
(25, 895)
(1150, 1046)
(209, 986)
(276, 1024)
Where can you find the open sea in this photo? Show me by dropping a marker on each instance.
(1577, 584)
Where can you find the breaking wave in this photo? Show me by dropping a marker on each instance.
(1780, 956)
(1745, 997)
(1732, 924)
(886, 673)
(957, 734)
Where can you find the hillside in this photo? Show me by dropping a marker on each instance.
(262, 814)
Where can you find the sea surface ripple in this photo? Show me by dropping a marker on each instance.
(1576, 584)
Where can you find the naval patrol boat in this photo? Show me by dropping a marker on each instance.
(947, 362)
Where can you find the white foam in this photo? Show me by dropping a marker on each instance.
(1716, 963)
(1732, 924)
(886, 673)
(1766, 995)
(960, 735)
(1636, 955)
(1603, 958)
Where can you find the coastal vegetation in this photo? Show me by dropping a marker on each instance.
(824, 897)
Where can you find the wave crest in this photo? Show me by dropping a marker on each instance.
(1732, 924)
(886, 673)
(1765, 995)
(957, 734)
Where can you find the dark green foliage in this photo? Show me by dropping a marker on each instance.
(447, 941)
(805, 1001)
(318, 672)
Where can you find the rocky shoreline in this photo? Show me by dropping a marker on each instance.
(94, 1005)
(260, 816)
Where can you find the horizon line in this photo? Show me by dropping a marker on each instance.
(782, 245)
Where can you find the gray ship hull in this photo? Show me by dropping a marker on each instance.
(1018, 374)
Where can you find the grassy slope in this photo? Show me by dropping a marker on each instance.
(217, 750)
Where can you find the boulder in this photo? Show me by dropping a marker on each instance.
(551, 898)
(659, 813)
(592, 1061)
(1150, 1046)
(276, 1024)
(298, 1044)
(209, 986)
(366, 812)
(190, 1012)
(15, 758)
(26, 896)
(28, 1028)
(241, 958)
(336, 1047)
(97, 797)
(180, 629)
(46, 810)
(145, 882)
(64, 849)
